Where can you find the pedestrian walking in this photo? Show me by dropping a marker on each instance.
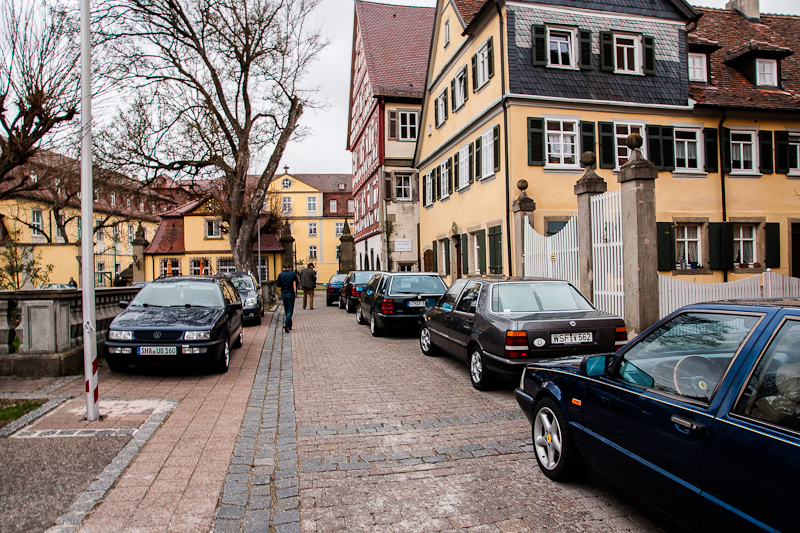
(308, 282)
(287, 282)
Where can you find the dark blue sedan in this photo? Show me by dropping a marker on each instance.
(699, 416)
(334, 288)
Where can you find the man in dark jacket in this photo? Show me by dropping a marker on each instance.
(287, 282)
(308, 282)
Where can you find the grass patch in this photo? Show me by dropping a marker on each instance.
(11, 410)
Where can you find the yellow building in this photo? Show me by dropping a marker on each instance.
(192, 240)
(519, 90)
(317, 206)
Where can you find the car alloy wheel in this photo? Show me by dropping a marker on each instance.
(341, 303)
(425, 342)
(373, 327)
(551, 441)
(240, 340)
(359, 316)
(347, 305)
(225, 359)
(477, 370)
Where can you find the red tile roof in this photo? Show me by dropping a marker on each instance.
(468, 9)
(737, 36)
(269, 243)
(168, 238)
(396, 45)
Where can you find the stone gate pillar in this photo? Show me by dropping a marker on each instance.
(287, 242)
(140, 244)
(589, 185)
(640, 258)
(523, 205)
(347, 251)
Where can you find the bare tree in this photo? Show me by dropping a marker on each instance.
(213, 83)
(39, 82)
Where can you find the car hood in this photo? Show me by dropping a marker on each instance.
(167, 317)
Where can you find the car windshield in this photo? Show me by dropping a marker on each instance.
(243, 283)
(179, 294)
(338, 278)
(536, 297)
(417, 285)
(362, 276)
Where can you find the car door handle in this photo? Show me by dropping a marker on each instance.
(469, 322)
(687, 424)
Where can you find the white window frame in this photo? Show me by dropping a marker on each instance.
(463, 168)
(739, 240)
(636, 47)
(113, 197)
(408, 125)
(131, 234)
(429, 184)
(62, 218)
(699, 142)
(619, 141)
(375, 195)
(312, 253)
(697, 63)
(402, 188)
(226, 264)
(37, 223)
(444, 189)
(334, 206)
(683, 241)
(286, 183)
(312, 229)
(487, 154)
(446, 32)
(794, 146)
(560, 136)
(311, 204)
(441, 107)
(100, 234)
(460, 94)
(766, 72)
(483, 65)
(128, 202)
(213, 228)
(286, 205)
(742, 148)
(571, 48)
(351, 206)
(194, 267)
(339, 228)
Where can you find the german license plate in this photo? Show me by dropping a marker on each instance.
(570, 338)
(416, 303)
(158, 350)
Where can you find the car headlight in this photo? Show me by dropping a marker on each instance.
(116, 335)
(251, 301)
(197, 335)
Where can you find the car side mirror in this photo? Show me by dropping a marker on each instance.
(123, 304)
(594, 365)
(235, 305)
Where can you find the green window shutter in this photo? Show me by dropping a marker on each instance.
(478, 158)
(668, 148)
(466, 84)
(649, 44)
(438, 182)
(765, 155)
(587, 136)
(782, 156)
(773, 245)
(424, 190)
(608, 153)
(495, 250)
(482, 251)
(490, 53)
(497, 148)
(539, 45)
(446, 247)
(474, 72)
(455, 168)
(450, 175)
(436, 112)
(464, 254)
(665, 244)
(453, 92)
(726, 150)
(654, 146)
(720, 244)
(585, 46)
(435, 257)
(536, 141)
(606, 51)
(445, 104)
(712, 150)
(471, 156)
(392, 125)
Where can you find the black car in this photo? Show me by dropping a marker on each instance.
(250, 292)
(334, 289)
(397, 299)
(351, 288)
(500, 325)
(177, 321)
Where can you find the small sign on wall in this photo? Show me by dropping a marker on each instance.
(403, 245)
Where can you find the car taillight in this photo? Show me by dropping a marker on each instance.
(330, 289)
(516, 344)
(354, 292)
(387, 307)
(622, 335)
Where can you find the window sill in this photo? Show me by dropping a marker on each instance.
(692, 272)
(402, 199)
(210, 238)
(747, 270)
(463, 189)
(563, 67)
(488, 178)
(562, 169)
(747, 175)
(793, 174)
(696, 174)
(628, 73)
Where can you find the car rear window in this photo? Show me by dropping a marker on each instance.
(362, 276)
(243, 283)
(179, 294)
(417, 285)
(338, 278)
(535, 297)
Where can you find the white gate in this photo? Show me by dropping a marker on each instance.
(608, 284)
(780, 286)
(555, 256)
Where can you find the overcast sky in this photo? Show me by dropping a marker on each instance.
(324, 150)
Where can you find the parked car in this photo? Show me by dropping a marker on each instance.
(139, 283)
(352, 286)
(699, 416)
(500, 325)
(334, 288)
(398, 299)
(250, 292)
(177, 321)
(52, 286)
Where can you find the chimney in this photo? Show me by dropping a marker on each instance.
(748, 8)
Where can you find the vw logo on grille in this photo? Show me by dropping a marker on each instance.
(571, 323)
(157, 335)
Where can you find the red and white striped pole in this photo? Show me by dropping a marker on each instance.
(87, 220)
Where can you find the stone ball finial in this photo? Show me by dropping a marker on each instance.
(634, 141)
(522, 185)
(588, 159)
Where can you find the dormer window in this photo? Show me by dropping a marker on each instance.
(560, 44)
(697, 67)
(767, 72)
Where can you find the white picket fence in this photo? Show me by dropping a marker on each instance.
(555, 256)
(608, 283)
(674, 293)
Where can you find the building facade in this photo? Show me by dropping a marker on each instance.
(386, 90)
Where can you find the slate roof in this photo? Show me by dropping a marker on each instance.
(736, 36)
(396, 45)
(324, 182)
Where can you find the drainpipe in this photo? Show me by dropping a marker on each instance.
(722, 176)
(505, 135)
